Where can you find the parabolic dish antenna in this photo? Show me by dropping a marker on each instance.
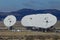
(39, 20)
(9, 21)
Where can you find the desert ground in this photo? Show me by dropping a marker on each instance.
(27, 35)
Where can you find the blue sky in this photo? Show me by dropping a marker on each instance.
(13, 5)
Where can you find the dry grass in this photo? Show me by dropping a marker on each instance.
(47, 36)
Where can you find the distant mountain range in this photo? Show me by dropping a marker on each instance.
(20, 13)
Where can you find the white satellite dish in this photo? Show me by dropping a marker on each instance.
(39, 20)
(9, 21)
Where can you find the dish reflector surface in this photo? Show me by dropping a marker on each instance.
(10, 20)
(39, 20)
